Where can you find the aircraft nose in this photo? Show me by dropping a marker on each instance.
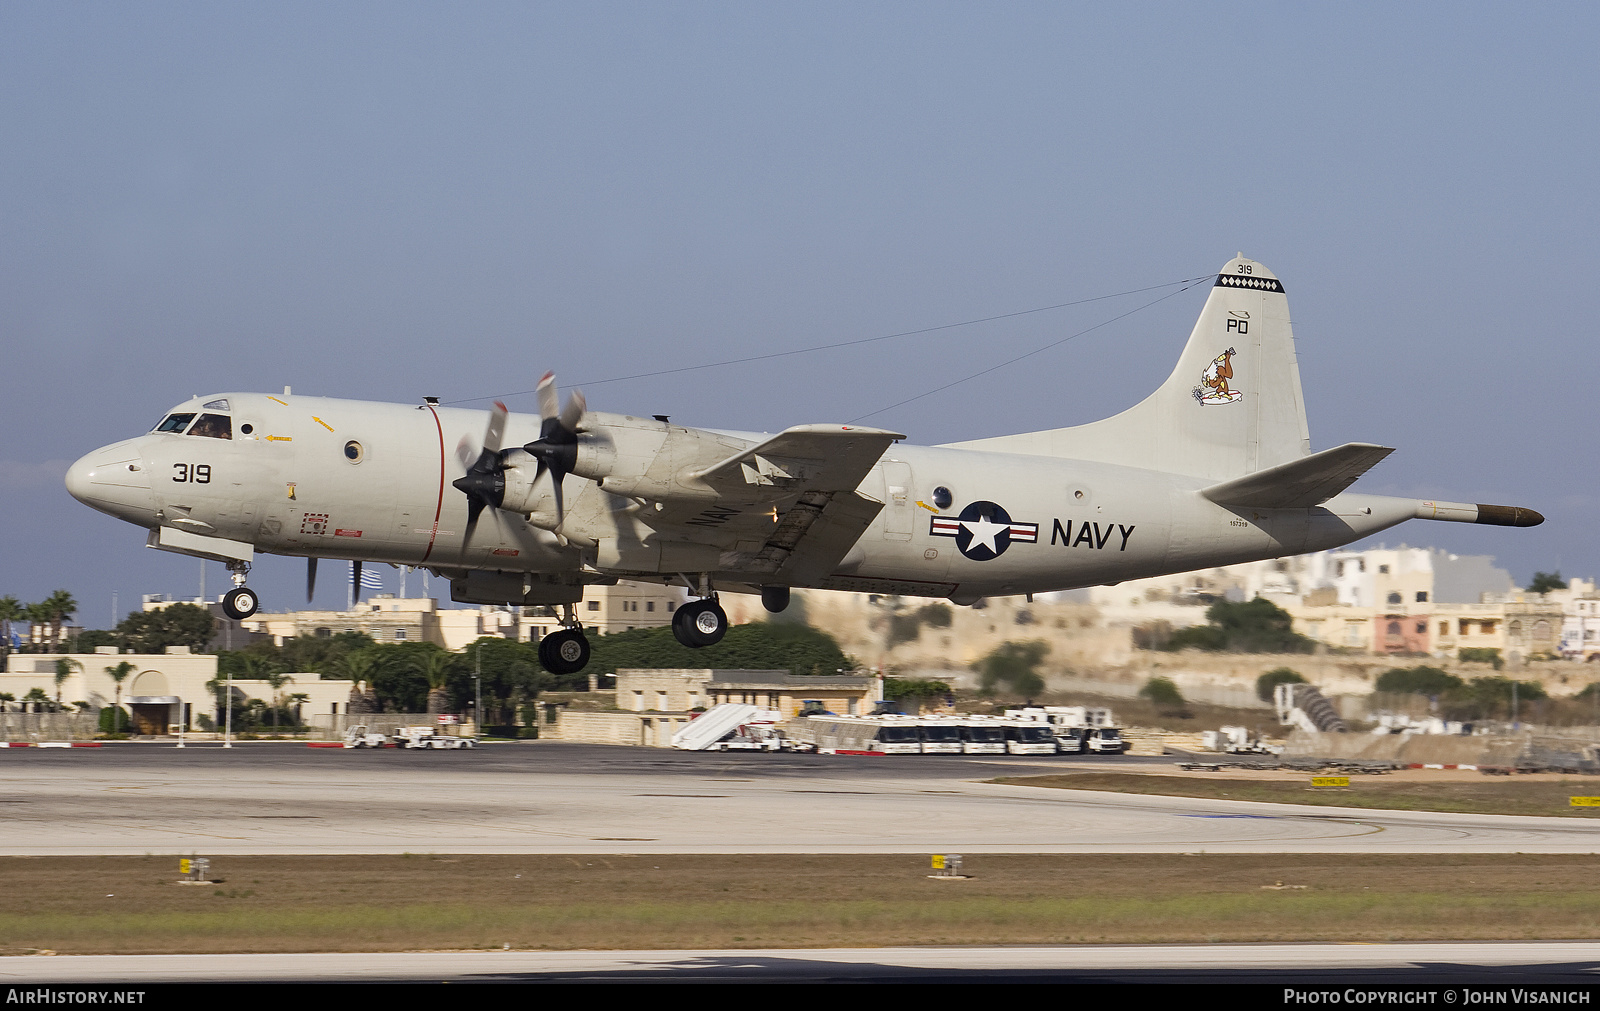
(78, 480)
(113, 480)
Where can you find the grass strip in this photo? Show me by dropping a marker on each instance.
(131, 904)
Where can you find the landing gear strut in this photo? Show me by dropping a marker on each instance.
(566, 651)
(240, 602)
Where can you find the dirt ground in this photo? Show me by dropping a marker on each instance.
(431, 902)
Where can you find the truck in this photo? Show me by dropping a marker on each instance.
(1106, 741)
(1077, 728)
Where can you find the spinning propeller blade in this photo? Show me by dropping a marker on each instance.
(484, 483)
(556, 449)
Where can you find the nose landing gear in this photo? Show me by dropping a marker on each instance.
(241, 601)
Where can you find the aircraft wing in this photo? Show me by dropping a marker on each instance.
(826, 458)
(786, 508)
(1298, 484)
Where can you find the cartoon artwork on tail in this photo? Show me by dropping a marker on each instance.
(1213, 388)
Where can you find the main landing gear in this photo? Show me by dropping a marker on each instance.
(700, 623)
(240, 602)
(566, 651)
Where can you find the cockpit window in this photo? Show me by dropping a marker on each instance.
(215, 405)
(213, 426)
(175, 423)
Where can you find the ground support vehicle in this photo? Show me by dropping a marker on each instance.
(425, 737)
(1027, 737)
(941, 736)
(1072, 740)
(358, 737)
(982, 735)
(1106, 741)
(855, 735)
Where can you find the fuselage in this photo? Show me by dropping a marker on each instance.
(326, 478)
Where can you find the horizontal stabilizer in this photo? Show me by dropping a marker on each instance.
(1299, 484)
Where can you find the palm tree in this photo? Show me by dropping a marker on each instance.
(118, 674)
(38, 616)
(357, 666)
(64, 669)
(299, 699)
(436, 668)
(218, 686)
(10, 610)
(276, 679)
(60, 606)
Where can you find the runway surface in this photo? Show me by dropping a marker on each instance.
(1538, 964)
(553, 797)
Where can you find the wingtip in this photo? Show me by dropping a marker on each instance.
(1508, 516)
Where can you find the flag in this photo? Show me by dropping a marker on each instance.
(369, 580)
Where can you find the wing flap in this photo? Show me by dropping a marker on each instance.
(1299, 484)
(815, 534)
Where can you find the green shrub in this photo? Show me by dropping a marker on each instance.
(1481, 654)
(1419, 680)
(1163, 692)
(1273, 678)
(1014, 665)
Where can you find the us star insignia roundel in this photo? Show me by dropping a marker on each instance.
(983, 531)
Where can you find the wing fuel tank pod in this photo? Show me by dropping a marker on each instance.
(1494, 515)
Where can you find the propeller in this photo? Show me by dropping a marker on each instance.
(484, 483)
(556, 449)
(311, 577)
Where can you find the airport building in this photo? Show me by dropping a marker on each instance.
(389, 619)
(163, 690)
(652, 705)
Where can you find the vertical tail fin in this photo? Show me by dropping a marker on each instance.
(1232, 406)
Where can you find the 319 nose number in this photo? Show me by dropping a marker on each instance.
(192, 473)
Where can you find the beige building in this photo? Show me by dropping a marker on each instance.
(163, 691)
(625, 606)
(389, 619)
(655, 704)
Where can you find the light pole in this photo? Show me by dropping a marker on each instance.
(227, 714)
(477, 683)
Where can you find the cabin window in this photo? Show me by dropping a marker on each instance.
(353, 451)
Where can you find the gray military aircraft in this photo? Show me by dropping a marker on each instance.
(1215, 467)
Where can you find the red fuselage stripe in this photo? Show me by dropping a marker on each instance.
(439, 507)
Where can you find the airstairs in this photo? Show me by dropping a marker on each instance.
(1303, 706)
(711, 726)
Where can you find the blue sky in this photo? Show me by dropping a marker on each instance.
(391, 201)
